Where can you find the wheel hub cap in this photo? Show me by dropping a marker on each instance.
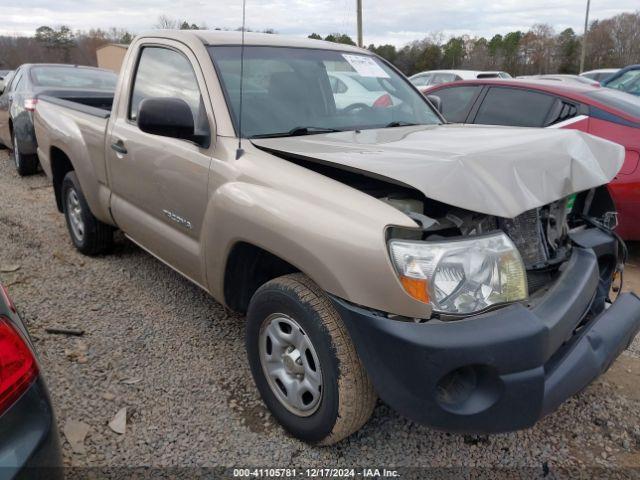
(290, 364)
(74, 210)
(16, 152)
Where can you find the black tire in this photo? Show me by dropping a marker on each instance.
(25, 164)
(96, 237)
(347, 396)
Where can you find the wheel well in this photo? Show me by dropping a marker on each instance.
(248, 268)
(60, 166)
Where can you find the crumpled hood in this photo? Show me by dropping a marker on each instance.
(501, 171)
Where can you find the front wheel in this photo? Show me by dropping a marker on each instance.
(25, 164)
(304, 362)
(89, 235)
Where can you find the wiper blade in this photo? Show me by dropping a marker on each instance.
(298, 131)
(399, 123)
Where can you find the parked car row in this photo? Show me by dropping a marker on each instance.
(18, 99)
(562, 78)
(600, 75)
(626, 80)
(5, 76)
(436, 77)
(538, 102)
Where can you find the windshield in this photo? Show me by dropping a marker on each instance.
(627, 82)
(295, 91)
(73, 77)
(620, 100)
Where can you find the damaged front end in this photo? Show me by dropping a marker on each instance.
(461, 262)
(521, 316)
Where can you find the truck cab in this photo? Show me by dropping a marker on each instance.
(461, 273)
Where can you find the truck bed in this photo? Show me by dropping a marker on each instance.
(75, 122)
(97, 103)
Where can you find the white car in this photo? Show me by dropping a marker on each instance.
(601, 74)
(562, 78)
(436, 77)
(350, 89)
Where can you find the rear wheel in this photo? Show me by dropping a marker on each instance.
(25, 164)
(89, 235)
(304, 362)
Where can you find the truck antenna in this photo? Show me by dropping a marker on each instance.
(240, 151)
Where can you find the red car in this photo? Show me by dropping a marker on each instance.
(602, 112)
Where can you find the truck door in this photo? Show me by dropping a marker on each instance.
(159, 184)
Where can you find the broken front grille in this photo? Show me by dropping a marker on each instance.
(526, 233)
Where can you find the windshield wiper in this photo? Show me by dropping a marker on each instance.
(298, 131)
(399, 123)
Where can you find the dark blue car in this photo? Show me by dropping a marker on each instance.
(626, 80)
(29, 446)
(18, 99)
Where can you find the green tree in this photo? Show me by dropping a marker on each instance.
(339, 38)
(60, 41)
(453, 52)
(511, 52)
(431, 57)
(315, 36)
(388, 52)
(568, 51)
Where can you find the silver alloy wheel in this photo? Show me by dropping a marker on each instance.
(16, 152)
(74, 211)
(290, 364)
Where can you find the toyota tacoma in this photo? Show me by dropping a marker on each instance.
(460, 273)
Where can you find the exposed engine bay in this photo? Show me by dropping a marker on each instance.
(541, 235)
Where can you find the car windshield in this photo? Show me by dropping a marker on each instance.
(73, 77)
(627, 82)
(288, 91)
(620, 100)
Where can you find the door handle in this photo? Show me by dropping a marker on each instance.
(119, 147)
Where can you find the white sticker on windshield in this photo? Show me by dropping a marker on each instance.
(365, 66)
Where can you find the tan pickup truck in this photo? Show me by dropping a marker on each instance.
(460, 273)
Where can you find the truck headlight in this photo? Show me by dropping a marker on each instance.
(461, 276)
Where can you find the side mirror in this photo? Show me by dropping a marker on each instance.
(168, 117)
(436, 101)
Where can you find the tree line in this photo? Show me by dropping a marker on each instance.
(613, 42)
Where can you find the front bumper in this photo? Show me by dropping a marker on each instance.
(502, 370)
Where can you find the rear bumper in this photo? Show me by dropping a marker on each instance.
(25, 133)
(29, 444)
(503, 370)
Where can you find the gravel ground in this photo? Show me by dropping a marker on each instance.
(171, 355)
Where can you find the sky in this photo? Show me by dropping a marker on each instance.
(397, 22)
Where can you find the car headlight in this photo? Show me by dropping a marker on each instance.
(461, 276)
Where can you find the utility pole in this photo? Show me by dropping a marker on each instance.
(359, 3)
(584, 38)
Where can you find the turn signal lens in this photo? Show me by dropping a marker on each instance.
(415, 287)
